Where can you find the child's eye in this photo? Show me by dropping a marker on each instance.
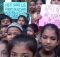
(53, 38)
(44, 37)
(13, 54)
(9, 33)
(4, 53)
(25, 56)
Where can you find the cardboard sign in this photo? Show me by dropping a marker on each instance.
(14, 9)
(50, 14)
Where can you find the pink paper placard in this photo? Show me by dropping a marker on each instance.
(50, 14)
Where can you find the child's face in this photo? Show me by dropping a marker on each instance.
(38, 5)
(55, 2)
(4, 32)
(20, 50)
(3, 50)
(12, 32)
(30, 31)
(5, 22)
(21, 21)
(32, 6)
(49, 39)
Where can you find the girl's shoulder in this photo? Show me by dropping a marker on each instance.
(37, 53)
(58, 51)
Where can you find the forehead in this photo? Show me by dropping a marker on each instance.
(49, 31)
(30, 28)
(5, 19)
(13, 29)
(39, 1)
(21, 17)
(32, 2)
(20, 47)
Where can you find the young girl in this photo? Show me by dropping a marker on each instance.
(49, 41)
(32, 29)
(36, 16)
(5, 20)
(3, 49)
(31, 10)
(4, 32)
(39, 4)
(31, 7)
(23, 46)
(22, 20)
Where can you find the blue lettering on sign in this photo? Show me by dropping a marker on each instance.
(14, 9)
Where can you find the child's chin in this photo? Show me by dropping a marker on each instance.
(48, 50)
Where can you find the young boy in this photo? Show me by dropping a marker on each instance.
(13, 30)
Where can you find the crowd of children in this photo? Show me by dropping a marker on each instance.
(24, 38)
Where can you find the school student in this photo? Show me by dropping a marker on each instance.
(23, 46)
(13, 30)
(49, 41)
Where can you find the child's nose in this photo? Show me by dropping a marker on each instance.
(48, 41)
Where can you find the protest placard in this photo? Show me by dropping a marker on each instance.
(14, 9)
(50, 14)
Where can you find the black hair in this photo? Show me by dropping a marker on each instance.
(43, 1)
(53, 26)
(23, 18)
(3, 16)
(30, 42)
(34, 27)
